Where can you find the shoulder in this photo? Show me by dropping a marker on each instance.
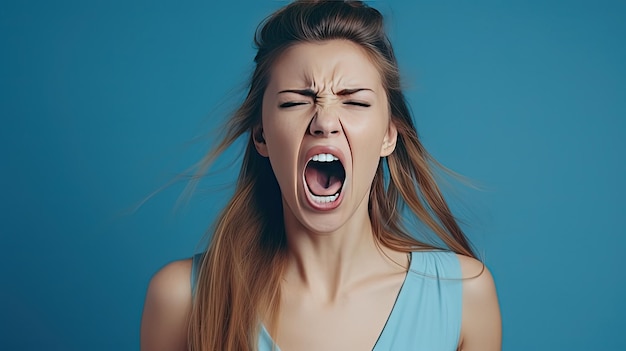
(481, 324)
(167, 307)
(171, 284)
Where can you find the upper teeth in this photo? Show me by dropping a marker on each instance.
(324, 158)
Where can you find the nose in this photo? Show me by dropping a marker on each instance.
(325, 123)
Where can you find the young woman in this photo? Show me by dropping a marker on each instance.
(312, 251)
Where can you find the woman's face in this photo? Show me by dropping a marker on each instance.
(325, 125)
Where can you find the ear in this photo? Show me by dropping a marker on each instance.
(389, 142)
(259, 141)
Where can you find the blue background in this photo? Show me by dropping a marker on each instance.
(104, 102)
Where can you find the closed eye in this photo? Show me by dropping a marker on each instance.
(291, 104)
(357, 103)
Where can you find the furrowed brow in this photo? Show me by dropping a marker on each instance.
(352, 91)
(304, 92)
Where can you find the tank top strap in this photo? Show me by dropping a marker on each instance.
(437, 264)
(427, 313)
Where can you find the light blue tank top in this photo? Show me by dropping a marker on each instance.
(427, 311)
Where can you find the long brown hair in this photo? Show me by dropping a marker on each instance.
(239, 275)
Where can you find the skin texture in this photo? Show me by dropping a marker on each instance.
(338, 283)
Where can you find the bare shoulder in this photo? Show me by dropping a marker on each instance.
(476, 275)
(481, 327)
(167, 307)
(172, 283)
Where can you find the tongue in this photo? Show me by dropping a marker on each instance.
(322, 183)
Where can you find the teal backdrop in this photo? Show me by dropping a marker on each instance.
(104, 102)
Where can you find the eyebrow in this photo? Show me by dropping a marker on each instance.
(352, 91)
(311, 93)
(305, 92)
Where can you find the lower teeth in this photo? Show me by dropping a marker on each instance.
(324, 199)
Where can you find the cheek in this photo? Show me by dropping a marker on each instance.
(282, 146)
(366, 135)
(281, 137)
(366, 139)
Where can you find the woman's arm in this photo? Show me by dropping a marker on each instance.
(481, 326)
(166, 311)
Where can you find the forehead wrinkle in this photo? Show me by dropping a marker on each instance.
(332, 69)
(328, 78)
(324, 79)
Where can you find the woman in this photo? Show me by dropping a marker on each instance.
(311, 253)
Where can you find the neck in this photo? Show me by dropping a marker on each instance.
(326, 264)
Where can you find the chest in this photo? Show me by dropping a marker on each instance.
(354, 321)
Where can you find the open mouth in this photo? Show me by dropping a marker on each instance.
(324, 175)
